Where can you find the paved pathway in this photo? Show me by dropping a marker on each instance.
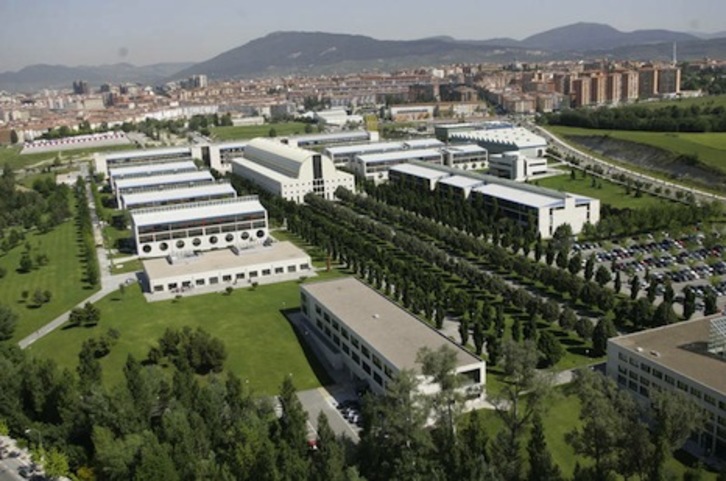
(109, 282)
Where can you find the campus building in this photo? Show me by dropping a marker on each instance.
(161, 182)
(149, 170)
(686, 357)
(232, 267)
(104, 161)
(375, 166)
(290, 172)
(501, 140)
(219, 156)
(343, 137)
(514, 166)
(201, 226)
(361, 331)
(181, 195)
(345, 155)
(524, 203)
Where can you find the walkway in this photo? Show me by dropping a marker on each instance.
(109, 282)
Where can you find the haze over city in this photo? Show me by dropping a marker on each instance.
(85, 32)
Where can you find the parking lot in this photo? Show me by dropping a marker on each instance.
(684, 262)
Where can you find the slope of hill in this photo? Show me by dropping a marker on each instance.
(595, 36)
(304, 51)
(41, 76)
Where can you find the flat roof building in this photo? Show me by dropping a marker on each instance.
(103, 161)
(523, 203)
(373, 338)
(330, 138)
(148, 170)
(200, 226)
(160, 182)
(182, 195)
(375, 166)
(515, 166)
(290, 172)
(344, 154)
(233, 267)
(686, 357)
(500, 140)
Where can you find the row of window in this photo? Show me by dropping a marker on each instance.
(357, 351)
(244, 219)
(175, 286)
(196, 242)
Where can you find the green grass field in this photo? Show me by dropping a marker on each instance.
(261, 344)
(252, 131)
(608, 193)
(62, 276)
(709, 147)
(12, 157)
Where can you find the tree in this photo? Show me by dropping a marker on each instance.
(541, 465)
(618, 286)
(584, 328)
(568, 319)
(514, 408)
(604, 330)
(327, 460)
(479, 336)
(272, 132)
(13, 137)
(602, 276)
(634, 287)
(38, 298)
(464, 329)
(550, 348)
(8, 321)
(89, 368)
(56, 464)
(575, 264)
(92, 314)
(155, 462)
(26, 263)
(689, 302)
(439, 366)
(589, 267)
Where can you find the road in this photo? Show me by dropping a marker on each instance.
(109, 282)
(612, 169)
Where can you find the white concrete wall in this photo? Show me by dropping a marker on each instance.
(204, 242)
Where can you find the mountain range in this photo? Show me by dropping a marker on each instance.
(317, 52)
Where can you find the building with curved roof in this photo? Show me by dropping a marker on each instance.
(290, 172)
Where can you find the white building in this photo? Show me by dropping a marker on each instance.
(686, 357)
(523, 203)
(375, 166)
(149, 170)
(160, 182)
(358, 329)
(290, 172)
(343, 155)
(466, 156)
(219, 156)
(103, 161)
(182, 195)
(330, 138)
(500, 140)
(201, 226)
(278, 262)
(515, 166)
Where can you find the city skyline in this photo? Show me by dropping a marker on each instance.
(81, 32)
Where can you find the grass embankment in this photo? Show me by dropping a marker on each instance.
(608, 192)
(252, 131)
(11, 155)
(62, 276)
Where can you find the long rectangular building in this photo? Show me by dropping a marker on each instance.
(148, 170)
(374, 339)
(688, 358)
(104, 161)
(375, 167)
(524, 203)
(158, 198)
(199, 226)
(160, 182)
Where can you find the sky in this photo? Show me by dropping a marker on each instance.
(141, 32)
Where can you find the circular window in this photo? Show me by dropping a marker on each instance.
(260, 234)
(196, 242)
(229, 238)
(146, 249)
(213, 239)
(180, 244)
(163, 246)
(245, 235)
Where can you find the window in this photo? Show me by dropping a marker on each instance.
(354, 341)
(682, 386)
(696, 392)
(291, 269)
(336, 326)
(227, 278)
(214, 280)
(245, 235)
(377, 379)
(266, 272)
(354, 356)
(197, 242)
(644, 367)
(344, 333)
(164, 246)
(376, 361)
(319, 324)
(199, 282)
(336, 340)
(253, 274)
(366, 353)
(213, 239)
(240, 275)
(669, 380)
(366, 367)
(146, 249)
(318, 309)
(657, 374)
(279, 270)
(260, 234)
(346, 349)
(229, 238)
(709, 399)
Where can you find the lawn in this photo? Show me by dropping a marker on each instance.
(252, 131)
(709, 147)
(608, 192)
(261, 344)
(11, 155)
(61, 276)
